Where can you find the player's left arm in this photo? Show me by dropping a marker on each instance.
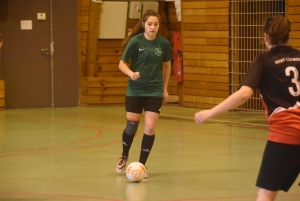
(166, 76)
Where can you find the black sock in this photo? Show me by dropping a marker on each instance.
(127, 141)
(147, 144)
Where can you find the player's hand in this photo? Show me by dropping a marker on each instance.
(203, 116)
(135, 76)
(165, 98)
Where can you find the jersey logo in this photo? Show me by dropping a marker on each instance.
(141, 49)
(158, 51)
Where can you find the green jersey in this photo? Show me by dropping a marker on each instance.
(146, 57)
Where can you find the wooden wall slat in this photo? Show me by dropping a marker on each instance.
(2, 94)
(109, 74)
(106, 99)
(103, 91)
(103, 43)
(202, 99)
(295, 26)
(198, 105)
(295, 34)
(206, 78)
(202, 48)
(206, 85)
(109, 51)
(204, 27)
(206, 19)
(293, 10)
(206, 71)
(294, 42)
(1, 84)
(291, 3)
(108, 60)
(206, 56)
(205, 4)
(103, 82)
(106, 67)
(205, 41)
(204, 63)
(206, 34)
(293, 18)
(205, 92)
(206, 11)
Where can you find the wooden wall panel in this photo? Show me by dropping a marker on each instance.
(205, 26)
(293, 14)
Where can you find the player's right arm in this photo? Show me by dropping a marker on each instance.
(123, 66)
(128, 53)
(233, 101)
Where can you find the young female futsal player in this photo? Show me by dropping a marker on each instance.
(276, 74)
(149, 70)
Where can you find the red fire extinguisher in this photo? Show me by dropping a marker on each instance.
(178, 66)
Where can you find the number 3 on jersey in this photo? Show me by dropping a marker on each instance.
(294, 80)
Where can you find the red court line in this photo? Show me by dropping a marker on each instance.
(111, 199)
(63, 150)
(67, 124)
(59, 145)
(75, 117)
(58, 195)
(211, 133)
(195, 131)
(232, 197)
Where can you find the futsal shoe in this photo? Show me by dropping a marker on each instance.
(146, 174)
(121, 165)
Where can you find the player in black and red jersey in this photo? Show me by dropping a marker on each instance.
(276, 75)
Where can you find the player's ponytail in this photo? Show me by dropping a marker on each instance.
(278, 29)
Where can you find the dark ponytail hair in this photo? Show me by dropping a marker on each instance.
(0, 38)
(139, 28)
(278, 29)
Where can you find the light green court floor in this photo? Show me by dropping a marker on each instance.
(70, 154)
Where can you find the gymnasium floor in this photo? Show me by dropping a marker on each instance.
(70, 154)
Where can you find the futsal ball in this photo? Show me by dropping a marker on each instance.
(135, 172)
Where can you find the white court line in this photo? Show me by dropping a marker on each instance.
(221, 121)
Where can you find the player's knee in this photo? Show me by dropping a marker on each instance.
(149, 129)
(131, 127)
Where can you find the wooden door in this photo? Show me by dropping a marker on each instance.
(26, 69)
(33, 78)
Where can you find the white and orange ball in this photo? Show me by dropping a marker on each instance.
(135, 172)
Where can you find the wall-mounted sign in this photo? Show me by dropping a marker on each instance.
(26, 24)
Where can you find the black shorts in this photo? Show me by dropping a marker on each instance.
(137, 104)
(280, 166)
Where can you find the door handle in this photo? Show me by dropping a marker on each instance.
(45, 51)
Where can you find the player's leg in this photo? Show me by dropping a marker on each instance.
(152, 111)
(279, 169)
(134, 108)
(266, 195)
(149, 135)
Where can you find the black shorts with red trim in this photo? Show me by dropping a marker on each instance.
(280, 166)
